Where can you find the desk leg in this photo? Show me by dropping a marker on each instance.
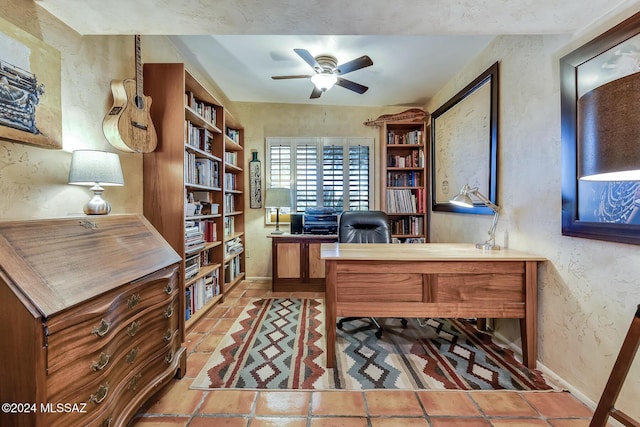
(528, 325)
(330, 315)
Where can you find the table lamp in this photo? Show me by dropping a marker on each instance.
(463, 199)
(95, 169)
(278, 198)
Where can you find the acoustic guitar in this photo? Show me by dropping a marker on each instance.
(128, 126)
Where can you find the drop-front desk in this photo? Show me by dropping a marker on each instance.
(430, 280)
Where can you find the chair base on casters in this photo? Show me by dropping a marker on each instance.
(373, 320)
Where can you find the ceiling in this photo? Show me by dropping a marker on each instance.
(416, 45)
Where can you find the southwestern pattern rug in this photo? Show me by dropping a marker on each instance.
(278, 343)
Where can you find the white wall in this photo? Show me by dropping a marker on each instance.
(588, 290)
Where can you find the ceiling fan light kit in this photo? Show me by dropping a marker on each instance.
(328, 72)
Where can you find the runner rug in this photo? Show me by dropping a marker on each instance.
(279, 343)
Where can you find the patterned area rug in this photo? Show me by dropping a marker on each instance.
(279, 343)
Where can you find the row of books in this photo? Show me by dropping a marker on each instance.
(229, 206)
(231, 158)
(404, 179)
(234, 134)
(406, 201)
(233, 246)
(407, 225)
(229, 225)
(201, 292)
(230, 181)
(193, 238)
(204, 109)
(413, 160)
(408, 240)
(232, 270)
(201, 171)
(192, 266)
(198, 137)
(414, 137)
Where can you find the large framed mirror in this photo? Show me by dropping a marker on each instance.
(464, 144)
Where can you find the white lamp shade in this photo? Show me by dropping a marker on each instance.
(324, 81)
(278, 198)
(89, 167)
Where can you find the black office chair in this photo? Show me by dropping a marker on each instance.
(364, 227)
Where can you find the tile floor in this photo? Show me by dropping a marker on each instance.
(177, 405)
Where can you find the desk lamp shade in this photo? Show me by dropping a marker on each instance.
(609, 131)
(95, 169)
(464, 200)
(278, 198)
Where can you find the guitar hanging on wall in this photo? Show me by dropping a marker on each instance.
(128, 126)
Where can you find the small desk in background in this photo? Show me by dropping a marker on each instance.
(430, 280)
(296, 264)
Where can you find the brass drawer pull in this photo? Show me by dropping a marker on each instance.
(133, 300)
(168, 335)
(133, 384)
(101, 362)
(169, 311)
(131, 356)
(100, 395)
(102, 329)
(169, 357)
(132, 330)
(168, 289)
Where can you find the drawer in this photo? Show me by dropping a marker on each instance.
(381, 287)
(485, 288)
(106, 398)
(95, 325)
(148, 333)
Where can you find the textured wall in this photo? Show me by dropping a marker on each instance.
(588, 290)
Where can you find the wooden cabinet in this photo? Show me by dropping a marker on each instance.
(90, 318)
(404, 179)
(296, 262)
(193, 185)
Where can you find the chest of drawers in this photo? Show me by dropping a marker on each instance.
(90, 323)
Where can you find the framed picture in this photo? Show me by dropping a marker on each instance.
(598, 210)
(30, 100)
(464, 144)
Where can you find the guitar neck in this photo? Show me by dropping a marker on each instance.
(139, 82)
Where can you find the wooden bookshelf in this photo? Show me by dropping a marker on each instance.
(185, 195)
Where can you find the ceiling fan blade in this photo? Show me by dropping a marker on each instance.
(315, 93)
(356, 64)
(348, 84)
(308, 58)
(297, 76)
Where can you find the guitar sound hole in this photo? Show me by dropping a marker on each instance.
(139, 102)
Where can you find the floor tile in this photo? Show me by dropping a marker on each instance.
(209, 343)
(223, 325)
(192, 340)
(195, 363)
(257, 293)
(339, 422)
(203, 325)
(503, 404)
(168, 421)
(228, 402)
(393, 402)
(176, 398)
(219, 422)
(571, 423)
(399, 421)
(557, 405)
(438, 403)
(520, 422)
(338, 403)
(282, 403)
(459, 422)
(278, 422)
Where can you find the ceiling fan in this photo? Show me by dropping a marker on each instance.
(328, 72)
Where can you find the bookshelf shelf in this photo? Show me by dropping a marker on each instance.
(194, 144)
(404, 174)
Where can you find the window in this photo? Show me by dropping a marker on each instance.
(324, 172)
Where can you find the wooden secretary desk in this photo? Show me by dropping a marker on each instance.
(90, 318)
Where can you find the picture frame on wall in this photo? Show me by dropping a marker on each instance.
(598, 210)
(30, 95)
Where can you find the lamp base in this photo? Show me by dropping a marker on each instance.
(97, 205)
(487, 246)
(277, 232)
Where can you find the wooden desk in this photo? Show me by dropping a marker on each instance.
(430, 280)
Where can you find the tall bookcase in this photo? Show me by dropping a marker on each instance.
(404, 177)
(192, 185)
